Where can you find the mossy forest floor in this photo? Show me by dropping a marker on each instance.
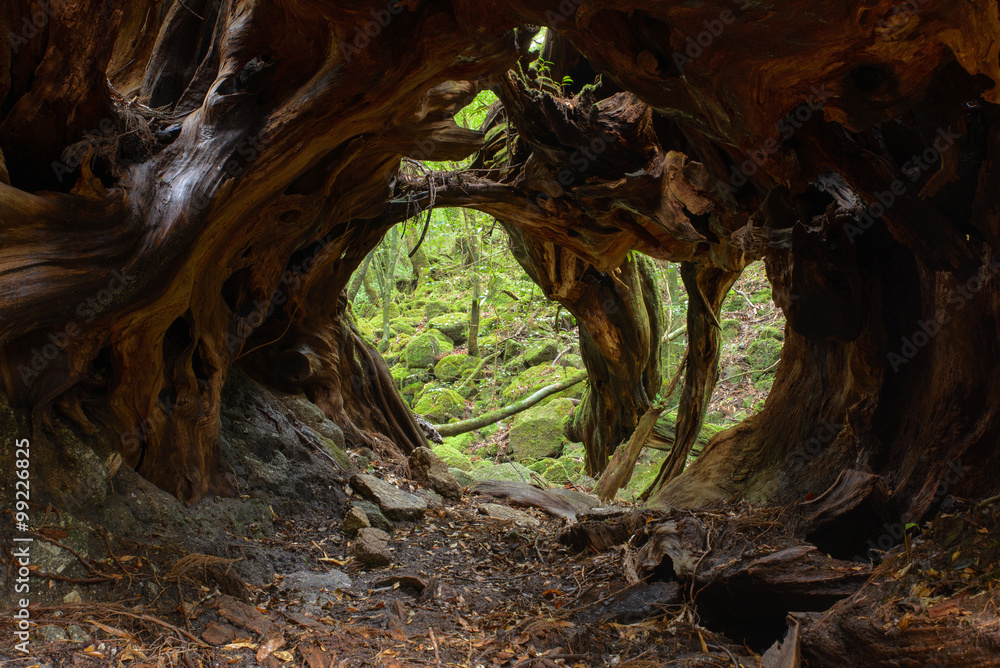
(525, 349)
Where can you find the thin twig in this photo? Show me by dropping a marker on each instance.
(434, 642)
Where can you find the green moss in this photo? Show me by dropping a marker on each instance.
(453, 325)
(537, 433)
(507, 471)
(762, 354)
(435, 308)
(540, 353)
(401, 326)
(761, 296)
(421, 352)
(440, 404)
(771, 333)
(453, 456)
(453, 367)
(531, 381)
(444, 343)
(730, 329)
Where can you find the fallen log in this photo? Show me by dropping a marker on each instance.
(457, 428)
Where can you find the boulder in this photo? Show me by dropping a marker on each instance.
(428, 468)
(435, 309)
(540, 353)
(507, 471)
(512, 349)
(355, 519)
(730, 329)
(421, 352)
(452, 367)
(371, 548)
(538, 432)
(501, 512)
(762, 354)
(452, 456)
(532, 380)
(310, 586)
(394, 502)
(453, 325)
(463, 477)
(374, 515)
(440, 404)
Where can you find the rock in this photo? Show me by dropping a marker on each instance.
(463, 477)
(421, 352)
(453, 325)
(77, 634)
(73, 597)
(730, 329)
(500, 512)
(374, 515)
(218, 633)
(771, 333)
(532, 380)
(569, 360)
(440, 404)
(54, 559)
(51, 634)
(427, 467)
(452, 367)
(512, 349)
(394, 502)
(310, 585)
(538, 432)
(371, 548)
(446, 344)
(433, 499)
(452, 456)
(435, 309)
(732, 373)
(540, 353)
(355, 519)
(762, 354)
(507, 471)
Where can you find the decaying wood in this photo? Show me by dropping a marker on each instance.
(562, 503)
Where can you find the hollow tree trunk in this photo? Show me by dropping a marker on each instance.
(621, 327)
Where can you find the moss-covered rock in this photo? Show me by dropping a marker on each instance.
(454, 325)
(761, 296)
(398, 373)
(445, 343)
(453, 367)
(762, 354)
(538, 432)
(540, 353)
(435, 308)
(401, 326)
(771, 333)
(571, 361)
(511, 349)
(421, 352)
(532, 380)
(507, 471)
(730, 329)
(439, 404)
(453, 457)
